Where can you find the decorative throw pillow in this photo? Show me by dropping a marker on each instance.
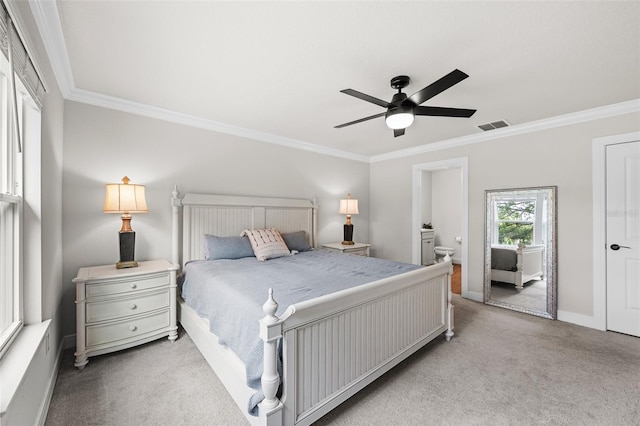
(226, 247)
(297, 241)
(266, 243)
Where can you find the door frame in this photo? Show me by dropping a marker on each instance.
(463, 164)
(599, 177)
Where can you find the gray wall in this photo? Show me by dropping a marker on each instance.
(102, 146)
(559, 156)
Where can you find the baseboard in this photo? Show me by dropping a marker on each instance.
(69, 341)
(579, 319)
(51, 385)
(472, 295)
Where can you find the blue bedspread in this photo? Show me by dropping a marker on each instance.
(230, 294)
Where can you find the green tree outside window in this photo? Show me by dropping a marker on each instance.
(515, 221)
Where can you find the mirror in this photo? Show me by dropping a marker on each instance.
(520, 250)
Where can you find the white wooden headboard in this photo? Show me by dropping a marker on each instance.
(195, 215)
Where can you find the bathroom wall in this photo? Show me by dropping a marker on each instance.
(446, 208)
(425, 205)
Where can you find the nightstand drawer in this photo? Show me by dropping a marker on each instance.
(107, 333)
(357, 252)
(100, 311)
(124, 285)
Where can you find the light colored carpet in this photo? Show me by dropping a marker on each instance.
(501, 368)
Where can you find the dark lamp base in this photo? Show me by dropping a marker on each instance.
(127, 249)
(348, 235)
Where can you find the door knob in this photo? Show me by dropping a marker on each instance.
(618, 247)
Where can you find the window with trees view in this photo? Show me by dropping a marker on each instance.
(21, 95)
(515, 220)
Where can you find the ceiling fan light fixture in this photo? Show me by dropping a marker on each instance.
(402, 109)
(399, 118)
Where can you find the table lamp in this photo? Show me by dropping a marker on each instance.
(348, 207)
(125, 198)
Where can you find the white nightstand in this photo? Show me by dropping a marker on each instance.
(120, 308)
(356, 248)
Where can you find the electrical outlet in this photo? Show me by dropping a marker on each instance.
(46, 344)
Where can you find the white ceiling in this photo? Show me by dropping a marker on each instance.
(275, 69)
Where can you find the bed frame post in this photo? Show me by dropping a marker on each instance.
(175, 228)
(519, 266)
(270, 409)
(449, 333)
(314, 241)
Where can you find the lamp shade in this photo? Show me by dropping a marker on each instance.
(348, 206)
(124, 198)
(399, 118)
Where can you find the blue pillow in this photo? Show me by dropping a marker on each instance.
(226, 247)
(297, 241)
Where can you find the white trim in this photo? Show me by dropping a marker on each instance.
(598, 150)
(51, 385)
(45, 13)
(69, 341)
(463, 163)
(158, 113)
(621, 108)
(48, 22)
(475, 296)
(131, 107)
(578, 319)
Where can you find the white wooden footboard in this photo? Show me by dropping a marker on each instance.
(529, 264)
(337, 344)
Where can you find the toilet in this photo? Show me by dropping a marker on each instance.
(442, 252)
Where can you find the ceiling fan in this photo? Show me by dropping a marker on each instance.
(402, 109)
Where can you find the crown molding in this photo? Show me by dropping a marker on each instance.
(110, 102)
(621, 108)
(48, 21)
(45, 14)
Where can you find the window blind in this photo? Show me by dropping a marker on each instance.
(22, 63)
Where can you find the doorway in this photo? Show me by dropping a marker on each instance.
(602, 250)
(418, 202)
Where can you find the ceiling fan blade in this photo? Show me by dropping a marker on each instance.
(365, 97)
(438, 86)
(443, 112)
(359, 121)
(398, 132)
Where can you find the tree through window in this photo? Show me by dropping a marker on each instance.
(515, 220)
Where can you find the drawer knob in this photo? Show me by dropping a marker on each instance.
(133, 328)
(133, 285)
(132, 306)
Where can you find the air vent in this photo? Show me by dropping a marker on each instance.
(494, 125)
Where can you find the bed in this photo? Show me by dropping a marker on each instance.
(517, 264)
(318, 352)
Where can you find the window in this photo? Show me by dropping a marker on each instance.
(10, 213)
(515, 220)
(520, 217)
(21, 93)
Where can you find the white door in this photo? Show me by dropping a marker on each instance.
(623, 237)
